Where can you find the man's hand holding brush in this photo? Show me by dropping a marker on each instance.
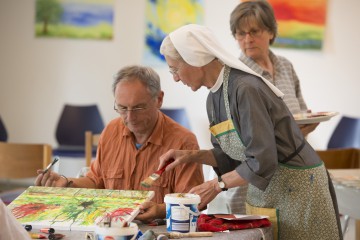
(49, 178)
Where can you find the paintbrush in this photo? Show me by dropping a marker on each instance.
(175, 235)
(155, 176)
(51, 164)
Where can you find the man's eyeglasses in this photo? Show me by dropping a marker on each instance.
(174, 71)
(254, 33)
(124, 110)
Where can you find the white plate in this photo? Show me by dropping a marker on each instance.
(315, 117)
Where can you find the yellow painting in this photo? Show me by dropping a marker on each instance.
(163, 17)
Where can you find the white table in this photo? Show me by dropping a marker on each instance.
(347, 188)
(246, 234)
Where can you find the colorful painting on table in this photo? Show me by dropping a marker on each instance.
(90, 19)
(301, 23)
(76, 208)
(164, 16)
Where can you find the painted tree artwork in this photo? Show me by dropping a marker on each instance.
(76, 208)
(163, 17)
(91, 19)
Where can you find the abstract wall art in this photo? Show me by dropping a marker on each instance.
(301, 23)
(164, 16)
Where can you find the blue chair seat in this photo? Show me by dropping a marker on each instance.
(346, 134)
(70, 132)
(71, 151)
(10, 195)
(3, 132)
(178, 115)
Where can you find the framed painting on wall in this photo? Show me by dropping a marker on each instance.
(85, 19)
(163, 17)
(76, 208)
(301, 23)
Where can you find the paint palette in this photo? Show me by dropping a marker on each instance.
(76, 208)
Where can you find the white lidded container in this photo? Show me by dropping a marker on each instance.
(116, 233)
(181, 212)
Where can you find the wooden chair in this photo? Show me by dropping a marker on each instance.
(91, 142)
(74, 121)
(340, 158)
(19, 163)
(19, 160)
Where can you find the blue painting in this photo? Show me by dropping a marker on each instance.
(163, 17)
(92, 19)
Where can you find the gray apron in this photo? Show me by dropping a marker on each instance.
(231, 144)
(305, 209)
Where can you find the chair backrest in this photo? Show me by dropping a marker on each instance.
(346, 134)
(91, 142)
(20, 160)
(341, 158)
(3, 132)
(178, 115)
(75, 121)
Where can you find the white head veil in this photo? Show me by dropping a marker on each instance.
(198, 46)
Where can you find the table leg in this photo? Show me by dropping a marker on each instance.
(357, 229)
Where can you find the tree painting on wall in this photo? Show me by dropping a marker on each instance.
(301, 23)
(164, 16)
(91, 19)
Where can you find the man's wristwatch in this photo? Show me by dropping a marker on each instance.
(221, 184)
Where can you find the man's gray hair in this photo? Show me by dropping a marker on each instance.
(146, 75)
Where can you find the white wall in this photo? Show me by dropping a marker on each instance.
(38, 76)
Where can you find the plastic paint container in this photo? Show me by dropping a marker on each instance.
(116, 233)
(181, 212)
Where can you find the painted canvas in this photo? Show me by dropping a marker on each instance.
(301, 23)
(90, 19)
(76, 208)
(164, 16)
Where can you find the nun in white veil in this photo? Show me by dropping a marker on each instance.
(197, 46)
(256, 142)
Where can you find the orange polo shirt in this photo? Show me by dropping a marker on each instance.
(119, 165)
